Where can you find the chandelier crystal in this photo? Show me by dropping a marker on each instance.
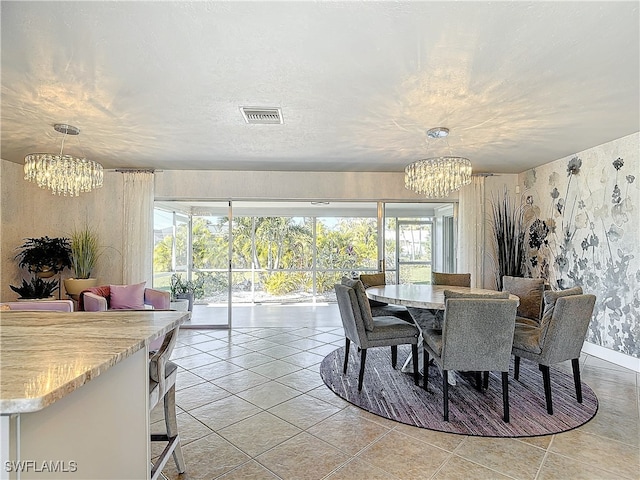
(436, 177)
(63, 174)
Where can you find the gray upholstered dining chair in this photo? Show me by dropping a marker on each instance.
(560, 336)
(162, 387)
(530, 292)
(452, 279)
(367, 331)
(476, 336)
(381, 309)
(433, 318)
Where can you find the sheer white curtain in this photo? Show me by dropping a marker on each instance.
(471, 224)
(137, 243)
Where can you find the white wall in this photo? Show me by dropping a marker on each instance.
(28, 211)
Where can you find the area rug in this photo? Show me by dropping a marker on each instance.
(392, 394)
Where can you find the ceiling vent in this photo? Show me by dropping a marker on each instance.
(262, 115)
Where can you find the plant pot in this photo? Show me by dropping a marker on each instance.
(74, 286)
(45, 272)
(181, 305)
(187, 296)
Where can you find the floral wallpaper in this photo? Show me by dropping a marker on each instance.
(583, 215)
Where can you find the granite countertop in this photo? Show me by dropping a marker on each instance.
(46, 355)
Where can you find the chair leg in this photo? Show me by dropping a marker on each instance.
(575, 365)
(346, 354)
(478, 377)
(485, 380)
(172, 427)
(516, 368)
(363, 359)
(445, 394)
(546, 380)
(425, 366)
(505, 396)
(414, 358)
(394, 356)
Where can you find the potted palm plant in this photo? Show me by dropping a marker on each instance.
(84, 255)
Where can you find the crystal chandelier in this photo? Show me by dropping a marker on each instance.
(436, 177)
(63, 174)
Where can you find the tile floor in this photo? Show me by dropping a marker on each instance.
(252, 406)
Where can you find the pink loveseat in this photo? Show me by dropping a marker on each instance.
(154, 299)
(39, 305)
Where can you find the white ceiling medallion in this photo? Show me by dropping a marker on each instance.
(262, 115)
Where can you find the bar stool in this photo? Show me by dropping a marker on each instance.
(162, 386)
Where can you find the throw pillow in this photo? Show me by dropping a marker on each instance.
(127, 297)
(550, 298)
(363, 301)
(530, 291)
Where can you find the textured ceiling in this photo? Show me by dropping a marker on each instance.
(159, 84)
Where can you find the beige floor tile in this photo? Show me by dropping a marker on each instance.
(186, 379)
(304, 359)
(210, 345)
(198, 360)
(259, 433)
(556, 467)
(326, 395)
(304, 411)
(280, 351)
(445, 441)
(304, 343)
(184, 351)
(268, 394)
(360, 434)
(356, 469)
(302, 380)
(224, 412)
(198, 395)
(615, 420)
(249, 471)
(206, 459)
(457, 468)
(404, 457)
(215, 370)
(600, 452)
(275, 369)
(229, 351)
(240, 381)
(505, 455)
(252, 359)
(304, 457)
(325, 350)
(541, 442)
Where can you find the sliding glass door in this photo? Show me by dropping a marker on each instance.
(249, 253)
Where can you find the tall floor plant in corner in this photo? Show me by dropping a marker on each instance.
(85, 251)
(509, 231)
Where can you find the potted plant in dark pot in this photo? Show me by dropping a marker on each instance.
(45, 256)
(84, 255)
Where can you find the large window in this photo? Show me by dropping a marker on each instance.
(261, 252)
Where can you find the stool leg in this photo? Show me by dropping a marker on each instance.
(172, 426)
